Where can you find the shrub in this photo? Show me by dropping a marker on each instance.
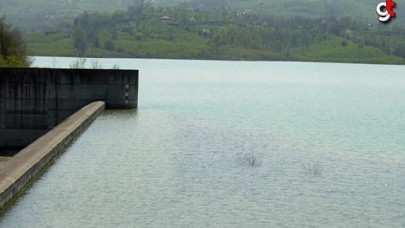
(12, 48)
(95, 64)
(344, 43)
(79, 63)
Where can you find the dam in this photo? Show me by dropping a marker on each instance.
(42, 110)
(35, 100)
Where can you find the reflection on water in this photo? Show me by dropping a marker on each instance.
(329, 148)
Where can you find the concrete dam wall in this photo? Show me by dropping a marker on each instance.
(35, 100)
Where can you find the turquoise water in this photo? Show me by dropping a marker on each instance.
(328, 140)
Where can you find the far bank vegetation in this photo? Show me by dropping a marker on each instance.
(186, 32)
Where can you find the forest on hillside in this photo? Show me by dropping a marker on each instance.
(183, 31)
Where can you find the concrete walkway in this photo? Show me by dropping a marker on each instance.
(3, 160)
(18, 171)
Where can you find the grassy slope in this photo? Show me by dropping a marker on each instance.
(333, 51)
(49, 45)
(190, 46)
(184, 44)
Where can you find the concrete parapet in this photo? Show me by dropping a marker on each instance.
(17, 172)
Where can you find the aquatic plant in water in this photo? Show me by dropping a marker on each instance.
(314, 168)
(249, 158)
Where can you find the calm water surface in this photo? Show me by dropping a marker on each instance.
(329, 141)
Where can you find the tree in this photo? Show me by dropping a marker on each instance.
(12, 48)
(136, 9)
(80, 41)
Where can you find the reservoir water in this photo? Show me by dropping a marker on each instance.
(233, 144)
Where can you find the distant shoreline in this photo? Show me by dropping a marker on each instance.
(231, 60)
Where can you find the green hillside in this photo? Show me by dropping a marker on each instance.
(191, 34)
(47, 14)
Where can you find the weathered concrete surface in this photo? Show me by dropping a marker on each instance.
(35, 100)
(17, 172)
(3, 160)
